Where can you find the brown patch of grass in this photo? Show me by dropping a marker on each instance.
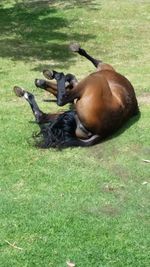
(110, 210)
(106, 209)
(117, 191)
(111, 188)
(144, 99)
(120, 171)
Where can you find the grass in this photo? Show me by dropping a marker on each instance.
(86, 205)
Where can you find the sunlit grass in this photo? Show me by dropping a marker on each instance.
(86, 205)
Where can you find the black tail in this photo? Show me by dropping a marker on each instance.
(61, 133)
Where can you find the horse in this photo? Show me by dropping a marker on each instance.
(103, 101)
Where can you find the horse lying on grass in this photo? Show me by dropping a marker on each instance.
(103, 102)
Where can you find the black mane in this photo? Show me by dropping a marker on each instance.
(58, 133)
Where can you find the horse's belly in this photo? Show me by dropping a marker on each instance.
(100, 118)
(90, 114)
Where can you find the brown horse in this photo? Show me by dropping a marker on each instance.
(104, 100)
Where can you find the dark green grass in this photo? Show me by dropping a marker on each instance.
(87, 205)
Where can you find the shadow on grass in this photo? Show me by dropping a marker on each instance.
(65, 4)
(98, 150)
(35, 30)
(126, 126)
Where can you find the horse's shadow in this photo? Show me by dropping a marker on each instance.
(125, 127)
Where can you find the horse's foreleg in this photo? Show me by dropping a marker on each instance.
(64, 87)
(82, 52)
(46, 85)
(65, 96)
(70, 79)
(70, 82)
(61, 88)
(40, 116)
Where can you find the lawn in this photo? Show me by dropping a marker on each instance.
(90, 205)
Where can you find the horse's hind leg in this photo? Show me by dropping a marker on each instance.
(82, 52)
(97, 63)
(40, 116)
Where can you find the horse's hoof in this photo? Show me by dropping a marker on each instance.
(40, 83)
(74, 47)
(18, 91)
(48, 74)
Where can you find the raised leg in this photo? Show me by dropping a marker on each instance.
(46, 85)
(61, 88)
(65, 96)
(76, 48)
(70, 79)
(97, 63)
(70, 82)
(40, 116)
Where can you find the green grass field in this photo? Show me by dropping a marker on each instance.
(86, 205)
